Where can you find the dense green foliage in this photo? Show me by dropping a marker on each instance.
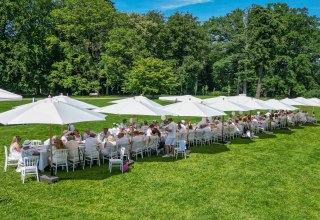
(83, 46)
(274, 177)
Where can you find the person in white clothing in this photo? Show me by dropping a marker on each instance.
(15, 150)
(170, 141)
(92, 145)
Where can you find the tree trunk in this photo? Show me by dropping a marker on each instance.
(259, 86)
(238, 88)
(244, 90)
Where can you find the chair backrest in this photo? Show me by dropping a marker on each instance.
(191, 135)
(35, 143)
(60, 154)
(137, 145)
(207, 135)
(31, 161)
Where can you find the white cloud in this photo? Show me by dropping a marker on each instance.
(179, 3)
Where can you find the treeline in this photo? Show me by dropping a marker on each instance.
(83, 46)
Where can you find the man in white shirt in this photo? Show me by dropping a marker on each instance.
(171, 137)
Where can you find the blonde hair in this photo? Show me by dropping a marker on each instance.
(16, 139)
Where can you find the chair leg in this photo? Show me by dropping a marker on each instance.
(5, 166)
(67, 167)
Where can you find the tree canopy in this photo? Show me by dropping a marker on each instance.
(83, 46)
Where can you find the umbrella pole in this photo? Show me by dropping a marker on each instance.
(188, 131)
(222, 138)
(50, 132)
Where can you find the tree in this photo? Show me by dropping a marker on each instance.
(81, 30)
(150, 76)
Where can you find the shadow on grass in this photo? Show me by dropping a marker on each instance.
(242, 141)
(283, 131)
(205, 149)
(266, 136)
(93, 173)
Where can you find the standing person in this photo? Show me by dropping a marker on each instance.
(170, 141)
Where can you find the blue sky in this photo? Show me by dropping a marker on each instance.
(204, 9)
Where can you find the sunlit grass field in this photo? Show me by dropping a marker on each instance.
(273, 177)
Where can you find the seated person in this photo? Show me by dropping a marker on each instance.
(103, 136)
(77, 136)
(27, 151)
(15, 150)
(72, 147)
(110, 147)
(92, 145)
(86, 134)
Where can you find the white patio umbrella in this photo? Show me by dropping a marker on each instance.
(133, 107)
(225, 105)
(9, 96)
(182, 98)
(316, 100)
(140, 98)
(277, 105)
(306, 102)
(49, 111)
(192, 109)
(291, 102)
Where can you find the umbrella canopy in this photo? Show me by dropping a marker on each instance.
(9, 96)
(74, 102)
(279, 105)
(215, 99)
(305, 102)
(140, 98)
(226, 105)
(288, 101)
(251, 103)
(316, 100)
(183, 98)
(49, 111)
(133, 108)
(193, 109)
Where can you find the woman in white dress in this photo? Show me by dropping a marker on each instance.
(15, 149)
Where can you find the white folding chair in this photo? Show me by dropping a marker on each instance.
(92, 156)
(29, 167)
(181, 149)
(117, 162)
(60, 159)
(191, 137)
(9, 161)
(206, 137)
(74, 157)
(110, 151)
(137, 148)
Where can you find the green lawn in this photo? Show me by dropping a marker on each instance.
(274, 177)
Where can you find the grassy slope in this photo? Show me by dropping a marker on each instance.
(273, 177)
